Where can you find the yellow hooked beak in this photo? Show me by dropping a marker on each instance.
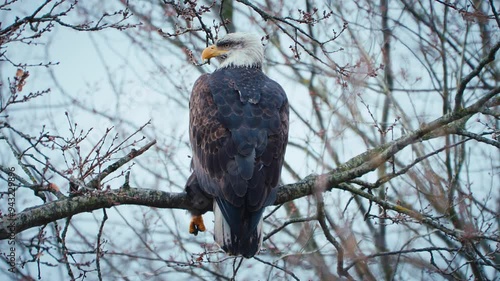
(211, 52)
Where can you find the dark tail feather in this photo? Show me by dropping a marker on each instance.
(241, 234)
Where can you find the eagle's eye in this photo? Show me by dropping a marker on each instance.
(226, 44)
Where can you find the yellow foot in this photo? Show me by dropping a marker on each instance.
(196, 225)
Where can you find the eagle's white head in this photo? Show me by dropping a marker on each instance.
(238, 49)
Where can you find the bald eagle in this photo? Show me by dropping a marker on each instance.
(238, 126)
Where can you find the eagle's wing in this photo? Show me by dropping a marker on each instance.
(207, 136)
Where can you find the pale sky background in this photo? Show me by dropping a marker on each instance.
(82, 76)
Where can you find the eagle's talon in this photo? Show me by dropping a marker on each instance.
(196, 225)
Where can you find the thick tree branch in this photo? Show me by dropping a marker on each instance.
(91, 201)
